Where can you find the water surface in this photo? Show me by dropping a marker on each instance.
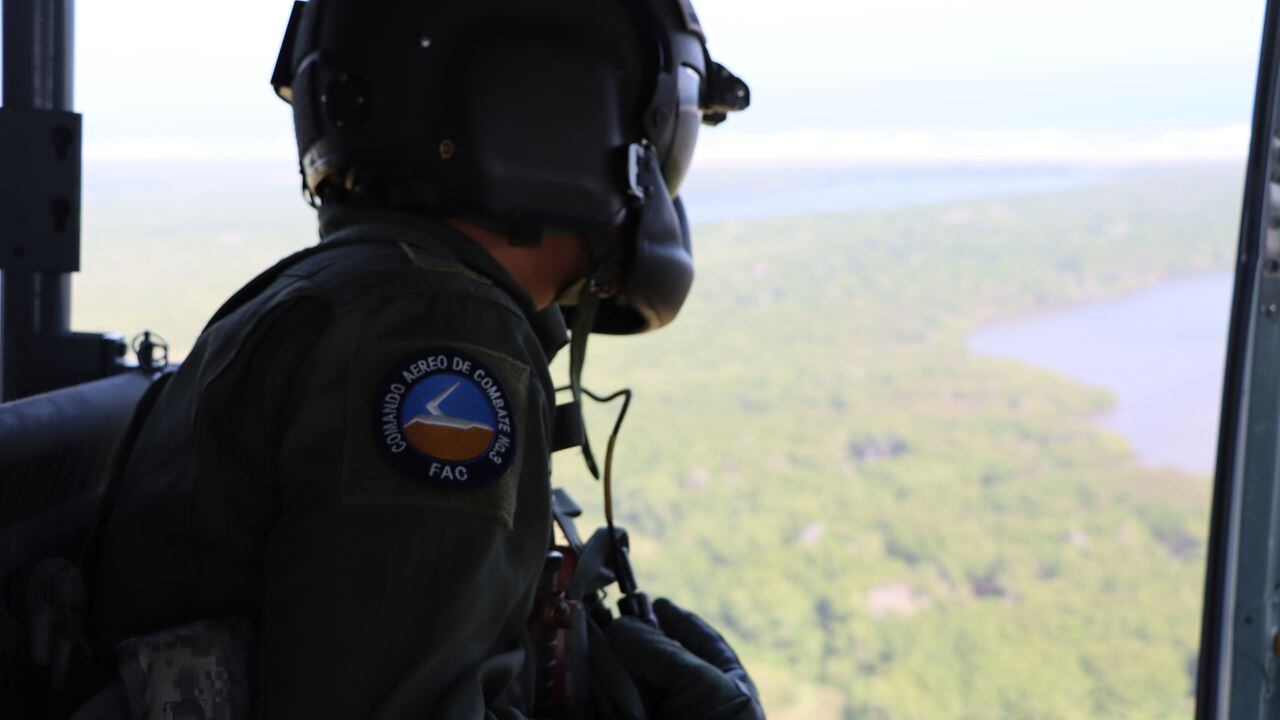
(1160, 351)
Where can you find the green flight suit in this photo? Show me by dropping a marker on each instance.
(272, 480)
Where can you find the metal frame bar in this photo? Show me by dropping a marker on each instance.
(1239, 666)
(40, 207)
(38, 75)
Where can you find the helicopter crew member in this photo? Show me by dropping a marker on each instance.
(355, 455)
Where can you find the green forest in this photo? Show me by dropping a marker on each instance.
(885, 525)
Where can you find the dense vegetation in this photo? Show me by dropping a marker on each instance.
(885, 525)
(888, 526)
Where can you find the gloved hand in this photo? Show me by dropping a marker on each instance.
(690, 672)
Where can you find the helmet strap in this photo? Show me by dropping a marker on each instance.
(570, 293)
(584, 317)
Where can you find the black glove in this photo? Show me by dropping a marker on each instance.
(690, 673)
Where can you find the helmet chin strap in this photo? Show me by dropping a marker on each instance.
(584, 317)
(570, 293)
(584, 295)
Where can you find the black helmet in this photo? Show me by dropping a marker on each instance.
(577, 115)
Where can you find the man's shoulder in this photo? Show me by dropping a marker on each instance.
(371, 289)
(371, 268)
(365, 273)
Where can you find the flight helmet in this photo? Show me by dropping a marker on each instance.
(578, 115)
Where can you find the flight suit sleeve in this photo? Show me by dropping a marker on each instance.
(412, 471)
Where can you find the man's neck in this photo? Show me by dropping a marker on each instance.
(542, 270)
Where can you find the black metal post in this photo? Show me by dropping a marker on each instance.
(38, 57)
(38, 54)
(40, 207)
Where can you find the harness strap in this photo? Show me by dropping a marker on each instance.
(88, 558)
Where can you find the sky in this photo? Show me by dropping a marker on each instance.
(984, 63)
(1000, 81)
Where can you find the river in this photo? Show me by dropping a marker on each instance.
(1160, 351)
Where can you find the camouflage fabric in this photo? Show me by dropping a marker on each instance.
(259, 487)
(196, 672)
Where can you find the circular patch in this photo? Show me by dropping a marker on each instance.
(444, 418)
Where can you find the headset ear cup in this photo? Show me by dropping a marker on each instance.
(661, 271)
(659, 275)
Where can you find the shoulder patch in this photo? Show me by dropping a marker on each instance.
(444, 418)
(436, 425)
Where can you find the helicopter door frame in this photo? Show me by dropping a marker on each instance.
(1239, 667)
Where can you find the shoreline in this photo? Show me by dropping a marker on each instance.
(1163, 364)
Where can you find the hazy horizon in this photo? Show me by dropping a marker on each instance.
(993, 82)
